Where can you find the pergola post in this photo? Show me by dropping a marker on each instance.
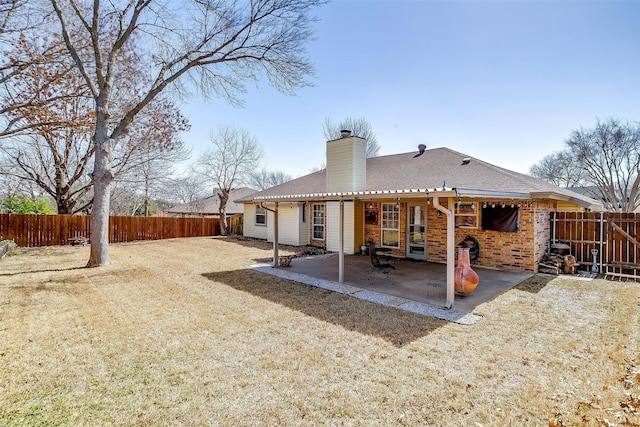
(276, 261)
(341, 244)
(451, 249)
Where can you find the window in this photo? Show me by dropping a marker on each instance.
(261, 215)
(498, 218)
(318, 222)
(466, 215)
(390, 225)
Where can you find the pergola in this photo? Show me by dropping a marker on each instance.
(432, 196)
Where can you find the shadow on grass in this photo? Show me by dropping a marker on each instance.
(46, 270)
(250, 242)
(535, 283)
(395, 326)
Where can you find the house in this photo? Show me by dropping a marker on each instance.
(210, 207)
(418, 205)
(592, 191)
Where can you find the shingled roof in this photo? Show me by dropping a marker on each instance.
(437, 168)
(211, 205)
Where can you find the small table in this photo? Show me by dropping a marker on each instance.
(383, 253)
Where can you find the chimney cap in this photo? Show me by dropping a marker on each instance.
(345, 133)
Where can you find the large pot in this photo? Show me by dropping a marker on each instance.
(561, 249)
(466, 279)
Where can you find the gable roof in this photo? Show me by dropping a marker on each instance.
(438, 169)
(211, 205)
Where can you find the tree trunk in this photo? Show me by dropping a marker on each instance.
(102, 179)
(224, 196)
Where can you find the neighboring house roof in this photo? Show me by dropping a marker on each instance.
(437, 169)
(211, 205)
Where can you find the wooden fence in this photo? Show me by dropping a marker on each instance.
(50, 230)
(612, 238)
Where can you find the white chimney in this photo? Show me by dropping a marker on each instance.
(346, 163)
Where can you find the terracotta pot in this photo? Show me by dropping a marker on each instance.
(466, 279)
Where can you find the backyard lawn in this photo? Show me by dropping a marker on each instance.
(180, 332)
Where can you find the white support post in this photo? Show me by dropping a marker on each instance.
(276, 261)
(451, 249)
(341, 244)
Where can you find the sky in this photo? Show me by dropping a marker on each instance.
(502, 81)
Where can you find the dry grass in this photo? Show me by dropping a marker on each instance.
(179, 333)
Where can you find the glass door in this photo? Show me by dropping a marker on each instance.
(416, 239)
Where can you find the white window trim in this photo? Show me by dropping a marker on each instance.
(324, 221)
(260, 224)
(383, 228)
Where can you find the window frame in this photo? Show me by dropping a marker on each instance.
(318, 208)
(390, 224)
(263, 214)
(466, 215)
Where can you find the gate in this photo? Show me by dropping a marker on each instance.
(606, 241)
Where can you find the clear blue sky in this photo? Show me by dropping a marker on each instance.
(503, 81)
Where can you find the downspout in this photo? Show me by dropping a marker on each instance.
(451, 255)
(341, 243)
(275, 232)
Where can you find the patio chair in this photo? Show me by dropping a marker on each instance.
(380, 263)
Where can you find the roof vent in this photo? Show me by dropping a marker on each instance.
(466, 160)
(344, 133)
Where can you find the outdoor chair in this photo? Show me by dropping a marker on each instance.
(380, 262)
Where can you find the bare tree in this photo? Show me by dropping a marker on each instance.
(559, 168)
(149, 173)
(185, 189)
(263, 179)
(230, 164)
(213, 46)
(605, 164)
(610, 157)
(358, 127)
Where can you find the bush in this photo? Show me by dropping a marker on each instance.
(23, 205)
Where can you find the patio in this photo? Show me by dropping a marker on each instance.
(415, 281)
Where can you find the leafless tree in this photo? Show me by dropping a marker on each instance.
(211, 46)
(358, 127)
(606, 163)
(559, 168)
(186, 189)
(149, 172)
(610, 156)
(236, 154)
(263, 179)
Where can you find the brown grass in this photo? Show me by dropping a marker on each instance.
(178, 332)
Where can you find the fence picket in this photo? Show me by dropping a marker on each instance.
(51, 230)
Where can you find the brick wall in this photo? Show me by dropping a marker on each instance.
(520, 251)
(506, 251)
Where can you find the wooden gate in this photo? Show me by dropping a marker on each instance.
(606, 242)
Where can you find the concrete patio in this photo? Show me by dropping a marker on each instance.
(413, 281)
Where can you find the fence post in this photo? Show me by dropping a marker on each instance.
(601, 238)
